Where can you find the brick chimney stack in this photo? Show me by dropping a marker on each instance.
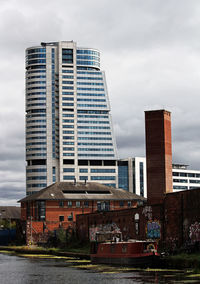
(158, 155)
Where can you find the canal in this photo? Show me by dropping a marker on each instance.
(52, 269)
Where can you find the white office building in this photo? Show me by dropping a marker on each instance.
(184, 179)
(69, 133)
(132, 176)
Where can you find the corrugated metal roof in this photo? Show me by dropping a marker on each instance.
(83, 191)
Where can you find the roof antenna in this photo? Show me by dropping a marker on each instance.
(74, 181)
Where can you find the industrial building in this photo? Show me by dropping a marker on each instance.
(171, 218)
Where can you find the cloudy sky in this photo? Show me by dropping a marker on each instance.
(151, 54)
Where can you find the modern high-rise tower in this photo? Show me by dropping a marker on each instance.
(69, 134)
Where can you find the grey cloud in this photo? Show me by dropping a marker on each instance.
(11, 192)
(150, 52)
(129, 141)
(14, 166)
(12, 141)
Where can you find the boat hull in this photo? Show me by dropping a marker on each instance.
(148, 260)
(136, 253)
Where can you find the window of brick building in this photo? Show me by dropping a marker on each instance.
(69, 203)
(86, 203)
(61, 218)
(70, 217)
(61, 203)
(137, 218)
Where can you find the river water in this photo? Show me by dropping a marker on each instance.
(38, 269)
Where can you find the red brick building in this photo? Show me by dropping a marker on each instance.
(173, 219)
(57, 205)
(175, 223)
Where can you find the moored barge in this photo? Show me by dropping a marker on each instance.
(132, 252)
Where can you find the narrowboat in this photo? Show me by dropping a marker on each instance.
(132, 252)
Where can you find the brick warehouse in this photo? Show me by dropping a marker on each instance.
(57, 206)
(171, 218)
(175, 223)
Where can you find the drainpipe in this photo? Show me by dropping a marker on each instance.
(31, 232)
(182, 219)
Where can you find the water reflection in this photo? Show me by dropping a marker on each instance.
(20, 269)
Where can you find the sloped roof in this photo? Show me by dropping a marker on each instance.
(84, 191)
(10, 212)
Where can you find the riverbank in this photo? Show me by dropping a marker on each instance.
(179, 261)
(184, 261)
(82, 253)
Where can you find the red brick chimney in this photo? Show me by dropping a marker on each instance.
(158, 155)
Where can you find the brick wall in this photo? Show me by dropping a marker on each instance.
(39, 231)
(125, 220)
(175, 223)
(158, 155)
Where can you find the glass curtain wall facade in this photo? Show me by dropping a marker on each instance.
(132, 175)
(69, 133)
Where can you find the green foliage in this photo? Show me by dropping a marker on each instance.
(61, 237)
(7, 224)
(185, 261)
(66, 240)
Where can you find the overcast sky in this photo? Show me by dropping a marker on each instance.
(150, 50)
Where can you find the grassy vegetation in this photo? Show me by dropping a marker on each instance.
(76, 248)
(184, 260)
(73, 247)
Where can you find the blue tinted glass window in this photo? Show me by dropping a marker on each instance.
(68, 170)
(141, 179)
(102, 178)
(123, 177)
(68, 177)
(83, 170)
(83, 178)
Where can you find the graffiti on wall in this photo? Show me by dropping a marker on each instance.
(194, 232)
(153, 230)
(147, 212)
(103, 230)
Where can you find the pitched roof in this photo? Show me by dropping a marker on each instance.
(10, 212)
(84, 191)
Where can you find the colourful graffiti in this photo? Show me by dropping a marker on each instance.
(153, 230)
(103, 229)
(195, 232)
(147, 211)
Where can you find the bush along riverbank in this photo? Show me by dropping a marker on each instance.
(63, 243)
(183, 261)
(81, 252)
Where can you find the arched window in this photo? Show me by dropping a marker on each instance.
(137, 219)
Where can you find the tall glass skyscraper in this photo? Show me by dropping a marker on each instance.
(69, 134)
